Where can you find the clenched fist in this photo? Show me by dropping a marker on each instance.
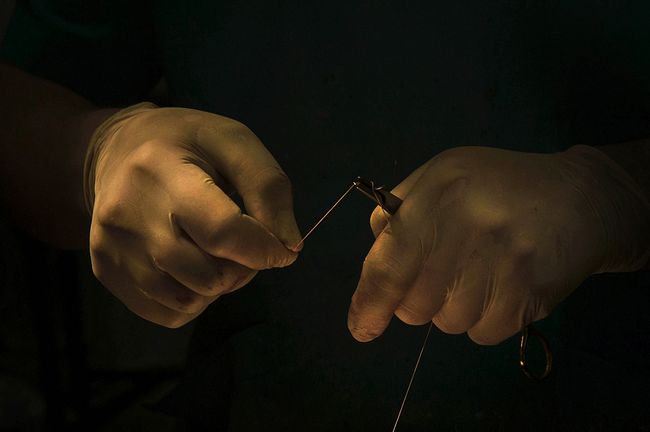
(166, 238)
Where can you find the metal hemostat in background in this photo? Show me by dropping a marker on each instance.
(389, 203)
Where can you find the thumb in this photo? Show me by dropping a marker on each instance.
(244, 162)
(268, 198)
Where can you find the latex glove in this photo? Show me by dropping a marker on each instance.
(166, 238)
(488, 240)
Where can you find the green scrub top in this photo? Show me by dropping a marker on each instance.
(345, 88)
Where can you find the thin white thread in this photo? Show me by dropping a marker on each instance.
(324, 216)
(426, 338)
(415, 369)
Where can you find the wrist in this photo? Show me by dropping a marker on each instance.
(101, 125)
(82, 125)
(618, 202)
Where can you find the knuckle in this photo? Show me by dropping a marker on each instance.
(377, 282)
(96, 241)
(216, 282)
(221, 278)
(225, 279)
(175, 295)
(491, 331)
(494, 221)
(176, 320)
(480, 338)
(487, 214)
(522, 250)
(243, 279)
(145, 157)
(383, 269)
(214, 288)
(159, 315)
(449, 325)
(274, 178)
(110, 213)
(190, 302)
(236, 131)
(411, 315)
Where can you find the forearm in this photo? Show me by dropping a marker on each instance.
(44, 131)
(634, 158)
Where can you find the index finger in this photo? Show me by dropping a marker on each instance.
(217, 225)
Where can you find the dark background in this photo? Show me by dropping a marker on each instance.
(335, 90)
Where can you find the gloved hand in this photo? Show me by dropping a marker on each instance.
(488, 240)
(166, 238)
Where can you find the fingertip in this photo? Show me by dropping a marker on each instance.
(361, 332)
(292, 233)
(297, 248)
(363, 335)
(361, 327)
(296, 245)
(286, 230)
(293, 242)
(280, 255)
(290, 258)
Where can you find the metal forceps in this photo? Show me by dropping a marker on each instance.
(390, 204)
